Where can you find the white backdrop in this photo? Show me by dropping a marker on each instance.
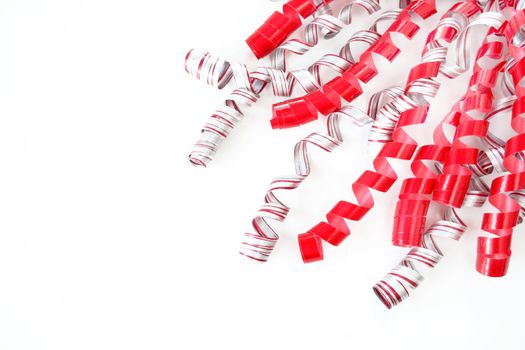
(109, 239)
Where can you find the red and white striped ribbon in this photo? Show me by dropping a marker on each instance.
(385, 123)
(324, 24)
(404, 278)
(218, 72)
(393, 101)
(258, 246)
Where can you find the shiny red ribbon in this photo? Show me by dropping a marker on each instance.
(279, 26)
(383, 177)
(494, 252)
(326, 100)
(451, 186)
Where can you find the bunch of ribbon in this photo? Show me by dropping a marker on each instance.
(454, 172)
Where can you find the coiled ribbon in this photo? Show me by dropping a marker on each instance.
(402, 145)
(460, 160)
(259, 245)
(274, 31)
(328, 99)
(405, 277)
(218, 73)
(506, 191)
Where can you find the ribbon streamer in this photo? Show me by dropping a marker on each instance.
(506, 191)
(259, 245)
(397, 284)
(218, 72)
(453, 171)
(460, 160)
(274, 31)
(328, 99)
(401, 147)
(405, 277)
(323, 24)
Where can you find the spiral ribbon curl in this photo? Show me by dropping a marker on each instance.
(506, 191)
(405, 277)
(328, 99)
(274, 31)
(401, 147)
(449, 172)
(271, 36)
(323, 24)
(259, 245)
(397, 284)
(460, 160)
(218, 72)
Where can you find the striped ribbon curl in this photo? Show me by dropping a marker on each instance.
(218, 72)
(259, 245)
(506, 192)
(402, 146)
(397, 285)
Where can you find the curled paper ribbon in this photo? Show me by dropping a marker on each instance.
(385, 124)
(325, 25)
(506, 191)
(328, 99)
(274, 31)
(405, 277)
(402, 145)
(259, 245)
(451, 171)
(460, 160)
(271, 36)
(368, 37)
(218, 72)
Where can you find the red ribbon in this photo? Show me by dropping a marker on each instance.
(326, 100)
(494, 252)
(384, 176)
(451, 186)
(279, 26)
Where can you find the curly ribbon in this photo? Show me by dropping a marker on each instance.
(328, 99)
(323, 24)
(259, 245)
(271, 36)
(385, 124)
(468, 119)
(493, 253)
(279, 26)
(401, 147)
(369, 37)
(405, 277)
(218, 72)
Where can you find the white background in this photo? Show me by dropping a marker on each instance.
(109, 239)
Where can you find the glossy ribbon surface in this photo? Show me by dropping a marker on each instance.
(402, 145)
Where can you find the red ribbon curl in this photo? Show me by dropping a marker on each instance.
(279, 26)
(326, 100)
(383, 177)
(460, 159)
(494, 252)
